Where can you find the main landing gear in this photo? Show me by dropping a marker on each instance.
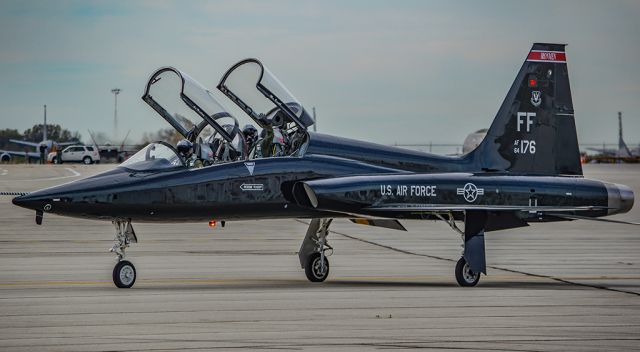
(464, 275)
(313, 252)
(124, 273)
(473, 261)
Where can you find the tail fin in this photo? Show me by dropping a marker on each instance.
(534, 131)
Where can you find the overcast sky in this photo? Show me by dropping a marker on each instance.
(385, 71)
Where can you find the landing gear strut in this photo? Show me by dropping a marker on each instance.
(124, 273)
(313, 252)
(473, 261)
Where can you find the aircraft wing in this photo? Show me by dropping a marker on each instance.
(64, 144)
(610, 152)
(31, 144)
(386, 223)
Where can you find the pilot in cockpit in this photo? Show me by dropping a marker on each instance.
(185, 149)
(274, 138)
(250, 136)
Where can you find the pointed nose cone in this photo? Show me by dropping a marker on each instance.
(91, 195)
(19, 201)
(29, 201)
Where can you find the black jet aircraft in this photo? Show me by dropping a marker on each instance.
(526, 170)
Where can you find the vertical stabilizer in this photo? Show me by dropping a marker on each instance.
(534, 130)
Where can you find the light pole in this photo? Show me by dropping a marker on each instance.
(115, 92)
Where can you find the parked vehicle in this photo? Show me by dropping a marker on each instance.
(75, 153)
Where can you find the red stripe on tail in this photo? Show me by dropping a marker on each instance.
(547, 56)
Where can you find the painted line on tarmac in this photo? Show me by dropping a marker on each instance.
(253, 281)
(250, 281)
(146, 281)
(566, 281)
(4, 172)
(73, 172)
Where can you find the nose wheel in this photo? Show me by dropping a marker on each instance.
(317, 267)
(124, 274)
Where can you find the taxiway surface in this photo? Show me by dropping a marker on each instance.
(551, 287)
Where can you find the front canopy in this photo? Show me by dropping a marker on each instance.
(251, 86)
(184, 103)
(153, 157)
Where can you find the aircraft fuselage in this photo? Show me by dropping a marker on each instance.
(261, 188)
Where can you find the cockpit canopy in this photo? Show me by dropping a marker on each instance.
(153, 157)
(187, 105)
(191, 109)
(251, 86)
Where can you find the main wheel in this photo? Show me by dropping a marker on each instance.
(464, 275)
(87, 160)
(314, 270)
(124, 274)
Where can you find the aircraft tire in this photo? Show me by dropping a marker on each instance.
(464, 275)
(312, 268)
(124, 274)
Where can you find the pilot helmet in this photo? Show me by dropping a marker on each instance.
(184, 147)
(249, 131)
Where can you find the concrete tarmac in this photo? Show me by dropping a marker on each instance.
(571, 286)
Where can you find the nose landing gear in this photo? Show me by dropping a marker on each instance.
(124, 273)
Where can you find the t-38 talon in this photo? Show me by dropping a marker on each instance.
(526, 170)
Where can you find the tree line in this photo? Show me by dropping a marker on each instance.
(34, 134)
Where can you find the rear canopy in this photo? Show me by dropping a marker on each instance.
(251, 86)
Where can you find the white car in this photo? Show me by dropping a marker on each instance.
(76, 153)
